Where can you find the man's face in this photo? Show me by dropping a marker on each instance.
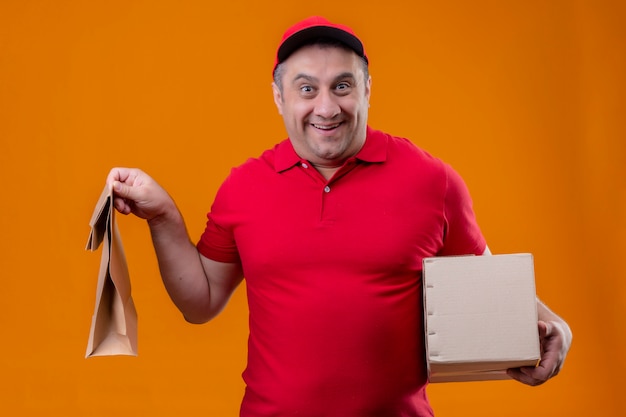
(324, 103)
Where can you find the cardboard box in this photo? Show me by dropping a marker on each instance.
(480, 316)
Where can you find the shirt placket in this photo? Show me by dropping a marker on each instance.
(327, 214)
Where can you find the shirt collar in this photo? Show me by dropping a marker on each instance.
(374, 150)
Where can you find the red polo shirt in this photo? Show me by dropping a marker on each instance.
(333, 273)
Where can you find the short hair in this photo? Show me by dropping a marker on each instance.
(324, 42)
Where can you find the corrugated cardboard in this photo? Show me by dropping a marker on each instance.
(480, 316)
(114, 322)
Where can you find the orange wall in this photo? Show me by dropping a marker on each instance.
(525, 98)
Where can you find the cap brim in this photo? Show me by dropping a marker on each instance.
(295, 41)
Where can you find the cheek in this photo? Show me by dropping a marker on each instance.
(299, 110)
(362, 109)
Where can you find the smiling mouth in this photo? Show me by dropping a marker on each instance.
(326, 127)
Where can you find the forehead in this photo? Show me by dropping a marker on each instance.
(319, 60)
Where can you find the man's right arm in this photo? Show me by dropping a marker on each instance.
(198, 286)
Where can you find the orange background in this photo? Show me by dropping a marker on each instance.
(525, 98)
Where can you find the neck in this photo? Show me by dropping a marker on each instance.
(327, 171)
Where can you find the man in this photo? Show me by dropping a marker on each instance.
(329, 229)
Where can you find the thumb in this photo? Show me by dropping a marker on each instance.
(124, 191)
(545, 329)
(125, 197)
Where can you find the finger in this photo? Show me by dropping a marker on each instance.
(526, 375)
(121, 205)
(117, 174)
(546, 369)
(124, 197)
(545, 329)
(518, 375)
(125, 191)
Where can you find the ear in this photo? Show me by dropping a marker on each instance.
(278, 98)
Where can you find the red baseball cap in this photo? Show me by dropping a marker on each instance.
(317, 27)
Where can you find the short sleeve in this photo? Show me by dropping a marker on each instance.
(218, 241)
(462, 236)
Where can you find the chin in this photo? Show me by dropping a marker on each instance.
(329, 157)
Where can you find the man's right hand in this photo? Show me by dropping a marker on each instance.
(136, 192)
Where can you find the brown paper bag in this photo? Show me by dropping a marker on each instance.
(114, 322)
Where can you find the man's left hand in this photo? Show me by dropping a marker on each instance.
(554, 347)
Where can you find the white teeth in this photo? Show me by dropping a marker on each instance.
(326, 127)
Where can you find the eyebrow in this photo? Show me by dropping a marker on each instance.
(345, 75)
(302, 76)
(342, 76)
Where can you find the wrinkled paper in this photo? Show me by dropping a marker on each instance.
(114, 322)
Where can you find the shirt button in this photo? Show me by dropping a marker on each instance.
(304, 165)
(327, 189)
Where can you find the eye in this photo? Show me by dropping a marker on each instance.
(343, 87)
(306, 89)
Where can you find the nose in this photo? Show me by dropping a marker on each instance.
(326, 105)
